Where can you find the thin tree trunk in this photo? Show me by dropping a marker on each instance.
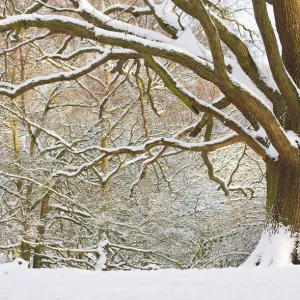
(104, 143)
(25, 251)
(38, 250)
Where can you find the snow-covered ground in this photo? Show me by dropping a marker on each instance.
(19, 282)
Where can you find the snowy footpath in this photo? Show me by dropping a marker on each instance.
(261, 283)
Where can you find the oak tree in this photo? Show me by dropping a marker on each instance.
(269, 102)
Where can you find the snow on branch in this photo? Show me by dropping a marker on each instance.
(191, 101)
(94, 16)
(121, 8)
(44, 186)
(134, 150)
(16, 90)
(52, 134)
(165, 15)
(156, 44)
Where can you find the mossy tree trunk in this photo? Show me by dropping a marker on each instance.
(280, 239)
(287, 16)
(283, 194)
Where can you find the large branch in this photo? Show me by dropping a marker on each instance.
(284, 83)
(287, 16)
(244, 58)
(197, 9)
(235, 44)
(233, 41)
(190, 100)
(242, 97)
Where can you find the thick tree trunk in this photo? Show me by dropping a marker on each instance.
(283, 195)
(287, 14)
(279, 242)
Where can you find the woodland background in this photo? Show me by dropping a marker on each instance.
(183, 210)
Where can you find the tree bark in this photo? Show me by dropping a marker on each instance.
(25, 251)
(287, 16)
(283, 195)
(37, 259)
(280, 239)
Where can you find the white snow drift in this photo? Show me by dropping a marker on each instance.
(19, 282)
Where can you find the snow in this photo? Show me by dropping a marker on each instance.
(294, 138)
(124, 7)
(19, 282)
(186, 43)
(273, 249)
(101, 263)
(86, 7)
(187, 40)
(260, 133)
(272, 152)
(163, 11)
(259, 58)
(10, 20)
(40, 80)
(71, 210)
(239, 76)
